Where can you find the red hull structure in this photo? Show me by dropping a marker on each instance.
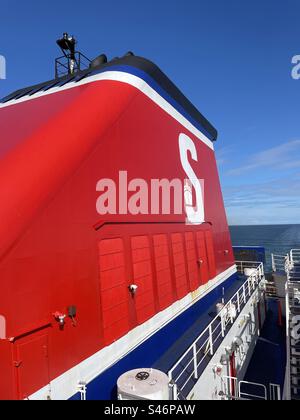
(60, 258)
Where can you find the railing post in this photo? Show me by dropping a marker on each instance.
(262, 269)
(275, 392)
(175, 393)
(287, 264)
(230, 308)
(222, 324)
(195, 361)
(288, 345)
(211, 340)
(244, 293)
(238, 302)
(273, 263)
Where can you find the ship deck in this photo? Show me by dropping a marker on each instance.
(268, 362)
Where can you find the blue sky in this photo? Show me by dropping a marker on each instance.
(231, 58)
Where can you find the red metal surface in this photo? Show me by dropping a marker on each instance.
(143, 278)
(113, 289)
(54, 150)
(180, 271)
(31, 363)
(202, 257)
(163, 271)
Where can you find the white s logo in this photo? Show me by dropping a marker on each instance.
(296, 69)
(195, 214)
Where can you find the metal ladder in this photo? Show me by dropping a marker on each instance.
(293, 326)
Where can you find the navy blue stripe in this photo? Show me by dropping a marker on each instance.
(147, 71)
(151, 82)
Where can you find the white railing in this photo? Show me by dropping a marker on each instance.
(293, 276)
(285, 262)
(241, 265)
(248, 395)
(292, 291)
(233, 389)
(275, 392)
(280, 262)
(293, 273)
(287, 390)
(295, 256)
(196, 357)
(292, 301)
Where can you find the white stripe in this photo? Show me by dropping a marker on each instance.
(65, 386)
(132, 80)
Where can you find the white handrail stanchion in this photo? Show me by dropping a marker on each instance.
(222, 324)
(195, 361)
(211, 344)
(175, 393)
(273, 263)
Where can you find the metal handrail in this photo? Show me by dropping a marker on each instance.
(292, 286)
(232, 390)
(247, 264)
(62, 64)
(285, 262)
(245, 394)
(275, 392)
(207, 339)
(280, 262)
(294, 255)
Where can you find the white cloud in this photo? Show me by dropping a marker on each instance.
(273, 196)
(284, 156)
(272, 202)
(223, 155)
